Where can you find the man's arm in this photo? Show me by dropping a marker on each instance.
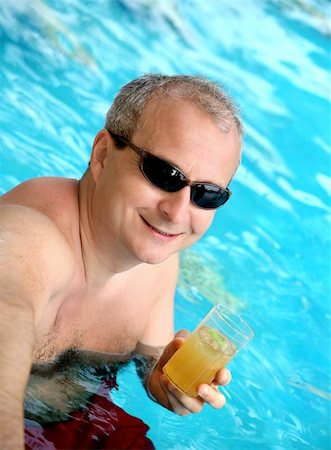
(159, 344)
(30, 274)
(16, 345)
(160, 328)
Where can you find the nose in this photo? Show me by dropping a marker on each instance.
(174, 206)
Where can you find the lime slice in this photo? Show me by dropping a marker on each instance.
(216, 341)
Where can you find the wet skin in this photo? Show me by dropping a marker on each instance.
(93, 265)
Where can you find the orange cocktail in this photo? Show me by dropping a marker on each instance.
(197, 361)
(210, 347)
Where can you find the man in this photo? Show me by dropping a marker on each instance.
(92, 264)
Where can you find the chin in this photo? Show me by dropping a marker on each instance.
(152, 257)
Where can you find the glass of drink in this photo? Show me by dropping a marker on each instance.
(217, 340)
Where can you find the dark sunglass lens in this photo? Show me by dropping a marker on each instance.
(162, 174)
(208, 196)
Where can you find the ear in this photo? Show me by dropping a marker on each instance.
(102, 146)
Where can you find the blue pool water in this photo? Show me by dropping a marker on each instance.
(268, 252)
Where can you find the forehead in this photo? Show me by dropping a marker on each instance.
(187, 136)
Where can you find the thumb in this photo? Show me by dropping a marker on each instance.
(180, 337)
(173, 346)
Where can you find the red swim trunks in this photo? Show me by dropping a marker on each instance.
(99, 425)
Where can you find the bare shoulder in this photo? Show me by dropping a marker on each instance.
(27, 229)
(54, 198)
(35, 258)
(46, 194)
(23, 222)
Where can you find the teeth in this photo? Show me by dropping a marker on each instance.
(157, 230)
(161, 232)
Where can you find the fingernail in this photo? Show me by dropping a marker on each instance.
(182, 333)
(227, 381)
(203, 391)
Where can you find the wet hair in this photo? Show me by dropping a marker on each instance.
(129, 105)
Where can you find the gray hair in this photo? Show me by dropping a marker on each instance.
(129, 105)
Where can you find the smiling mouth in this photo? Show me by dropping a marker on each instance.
(162, 233)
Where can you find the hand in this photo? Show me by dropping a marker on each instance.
(172, 398)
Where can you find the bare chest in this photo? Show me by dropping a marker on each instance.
(110, 322)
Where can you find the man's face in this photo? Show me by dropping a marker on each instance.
(146, 223)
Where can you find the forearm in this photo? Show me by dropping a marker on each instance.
(146, 357)
(149, 362)
(16, 346)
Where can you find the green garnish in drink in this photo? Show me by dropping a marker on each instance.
(216, 341)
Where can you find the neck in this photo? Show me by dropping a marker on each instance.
(102, 256)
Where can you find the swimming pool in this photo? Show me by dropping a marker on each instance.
(268, 252)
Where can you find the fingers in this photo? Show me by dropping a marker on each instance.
(174, 345)
(212, 396)
(176, 400)
(183, 404)
(183, 333)
(222, 378)
(176, 406)
(180, 338)
(179, 402)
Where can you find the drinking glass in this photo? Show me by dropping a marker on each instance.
(216, 341)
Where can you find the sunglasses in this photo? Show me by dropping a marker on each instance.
(169, 178)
